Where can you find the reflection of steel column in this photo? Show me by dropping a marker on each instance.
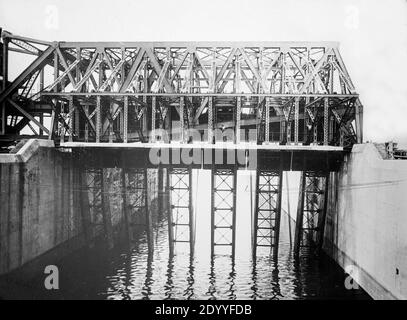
(84, 205)
(125, 204)
(107, 218)
(149, 222)
(191, 215)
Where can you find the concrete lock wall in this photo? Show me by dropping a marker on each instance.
(40, 203)
(367, 222)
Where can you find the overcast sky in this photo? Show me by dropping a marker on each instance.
(372, 33)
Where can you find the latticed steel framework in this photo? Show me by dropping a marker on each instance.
(135, 203)
(311, 211)
(223, 213)
(98, 218)
(291, 92)
(267, 210)
(181, 222)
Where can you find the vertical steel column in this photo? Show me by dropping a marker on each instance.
(315, 133)
(238, 116)
(311, 210)
(181, 210)
(322, 216)
(70, 122)
(267, 210)
(359, 121)
(169, 214)
(4, 84)
(98, 119)
(223, 209)
(181, 118)
(326, 120)
(111, 122)
(153, 117)
(125, 118)
(267, 122)
(300, 216)
(210, 120)
(86, 110)
(296, 119)
(306, 121)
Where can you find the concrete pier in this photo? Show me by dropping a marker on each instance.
(367, 221)
(44, 204)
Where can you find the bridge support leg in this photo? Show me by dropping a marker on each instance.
(311, 212)
(139, 214)
(267, 213)
(84, 206)
(107, 217)
(223, 209)
(125, 204)
(181, 218)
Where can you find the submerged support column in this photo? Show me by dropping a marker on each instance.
(223, 209)
(267, 213)
(125, 203)
(85, 208)
(311, 213)
(169, 213)
(148, 217)
(137, 198)
(181, 220)
(106, 213)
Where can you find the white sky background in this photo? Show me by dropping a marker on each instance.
(372, 33)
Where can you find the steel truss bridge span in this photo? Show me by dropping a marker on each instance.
(287, 92)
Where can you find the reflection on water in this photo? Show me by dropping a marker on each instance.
(132, 271)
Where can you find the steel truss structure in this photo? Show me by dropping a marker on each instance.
(223, 209)
(311, 212)
(267, 213)
(181, 220)
(292, 92)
